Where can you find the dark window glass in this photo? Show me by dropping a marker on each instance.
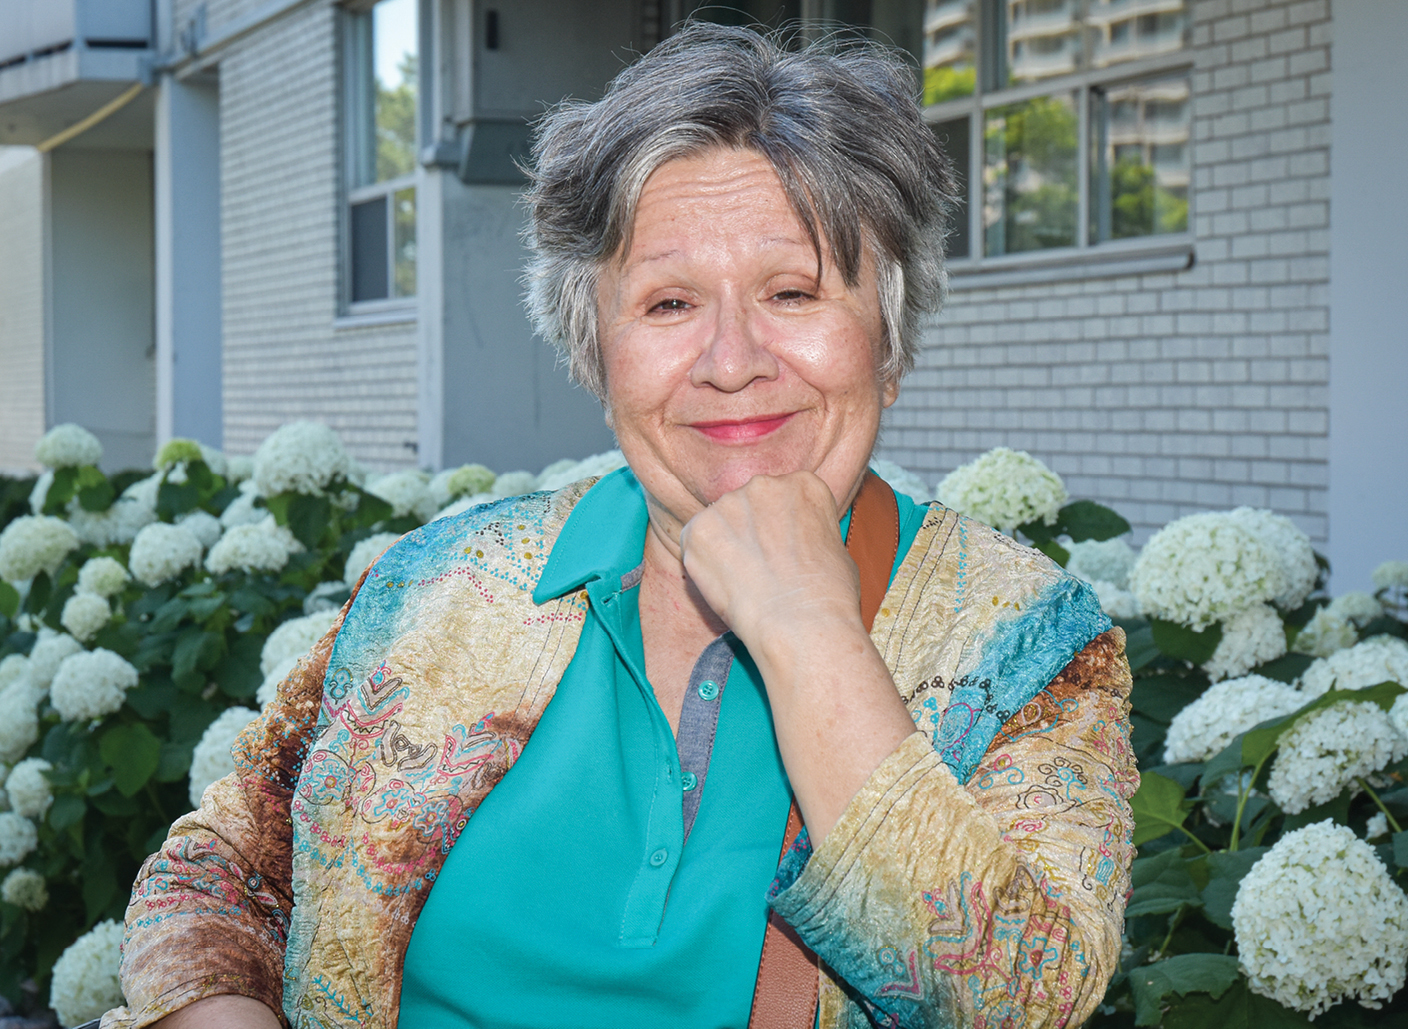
(370, 277)
(954, 138)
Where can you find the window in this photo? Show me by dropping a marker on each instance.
(1068, 121)
(381, 64)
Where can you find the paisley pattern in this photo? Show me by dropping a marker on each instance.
(996, 840)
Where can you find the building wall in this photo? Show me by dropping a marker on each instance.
(102, 331)
(1167, 394)
(21, 306)
(284, 358)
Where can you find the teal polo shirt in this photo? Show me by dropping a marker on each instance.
(614, 878)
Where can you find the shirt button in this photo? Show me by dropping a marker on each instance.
(659, 857)
(708, 689)
(689, 781)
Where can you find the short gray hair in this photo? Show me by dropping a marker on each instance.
(839, 122)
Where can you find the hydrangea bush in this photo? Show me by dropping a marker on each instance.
(145, 618)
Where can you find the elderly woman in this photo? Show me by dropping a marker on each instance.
(540, 772)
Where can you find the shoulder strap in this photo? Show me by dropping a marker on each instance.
(785, 996)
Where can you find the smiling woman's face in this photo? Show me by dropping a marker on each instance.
(725, 358)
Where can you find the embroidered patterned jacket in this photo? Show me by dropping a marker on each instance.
(977, 879)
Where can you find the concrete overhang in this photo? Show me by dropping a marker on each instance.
(42, 96)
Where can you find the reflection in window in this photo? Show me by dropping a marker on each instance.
(948, 57)
(1139, 170)
(953, 137)
(1030, 187)
(381, 131)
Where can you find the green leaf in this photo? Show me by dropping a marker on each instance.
(95, 493)
(1336, 810)
(175, 762)
(1400, 849)
(1162, 884)
(308, 517)
(1226, 869)
(1286, 668)
(1139, 645)
(67, 810)
(1182, 642)
(370, 509)
(1162, 696)
(1158, 807)
(173, 499)
(190, 716)
(238, 673)
(99, 886)
(132, 752)
(1212, 974)
(9, 600)
(1183, 774)
(1053, 550)
(1238, 1008)
(1087, 520)
(60, 490)
(195, 651)
(39, 589)
(115, 805)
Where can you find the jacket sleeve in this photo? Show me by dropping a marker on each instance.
(995, 902)
(209, 910)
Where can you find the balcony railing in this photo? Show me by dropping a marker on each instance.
(34, 29)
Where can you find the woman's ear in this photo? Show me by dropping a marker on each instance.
(889, 392)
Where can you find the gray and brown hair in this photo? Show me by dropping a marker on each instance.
(838, 121)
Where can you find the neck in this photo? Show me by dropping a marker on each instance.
(668, 597)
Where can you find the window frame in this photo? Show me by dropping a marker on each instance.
(355, 36)
(1087, 258)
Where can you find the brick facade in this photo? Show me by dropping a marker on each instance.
(1166, 394)
(283, 357)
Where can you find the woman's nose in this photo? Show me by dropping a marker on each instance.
(735, 353)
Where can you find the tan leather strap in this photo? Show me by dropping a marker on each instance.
(785, 996)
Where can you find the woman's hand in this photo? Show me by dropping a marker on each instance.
(226, 1011)
(769, 559)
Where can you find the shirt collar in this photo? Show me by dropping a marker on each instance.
(604, 537)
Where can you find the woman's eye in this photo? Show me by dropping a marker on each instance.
(673, 304)
(791, 295)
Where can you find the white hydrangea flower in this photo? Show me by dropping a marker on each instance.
(564, 473)
(40, 492)
(13, 667)
(85, 984)
(162, 552)
(29, 791)
(121, 522)
(32, 544)
(48, 652)
(364, 553)
(1357, 607)
(203, 525)
(1004, 488)
(176, 451)
(1328, 750)
(1251, 638)
(453, 483)
(1102, 560)
(1327, 632)
(407, 492)
(239, 467)
(1398, 714)
(1114, 601)
(102, 577)
(300, 456)
(1367, 663)
(1204, 727)
(1391, 574)
(1202, 569)
(25, 888)
(1291, 546)
(1377, 827)
(68, 446)
(19, 721)
(211, 759)
(84, 614)
(243, 509)
(900, 479)
(263, 547)
(18, 838)
(464, 504)
(326, 596)
(215, 461)
(269, 688)
(294, 638)
(91, 685)
(514, 484)
(1318, 920)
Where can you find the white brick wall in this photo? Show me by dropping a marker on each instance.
(1166, 394)
(282, 357)
(21, 307)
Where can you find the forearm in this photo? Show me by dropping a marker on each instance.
(226, 1011)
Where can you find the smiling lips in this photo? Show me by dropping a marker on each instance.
(744, 430)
